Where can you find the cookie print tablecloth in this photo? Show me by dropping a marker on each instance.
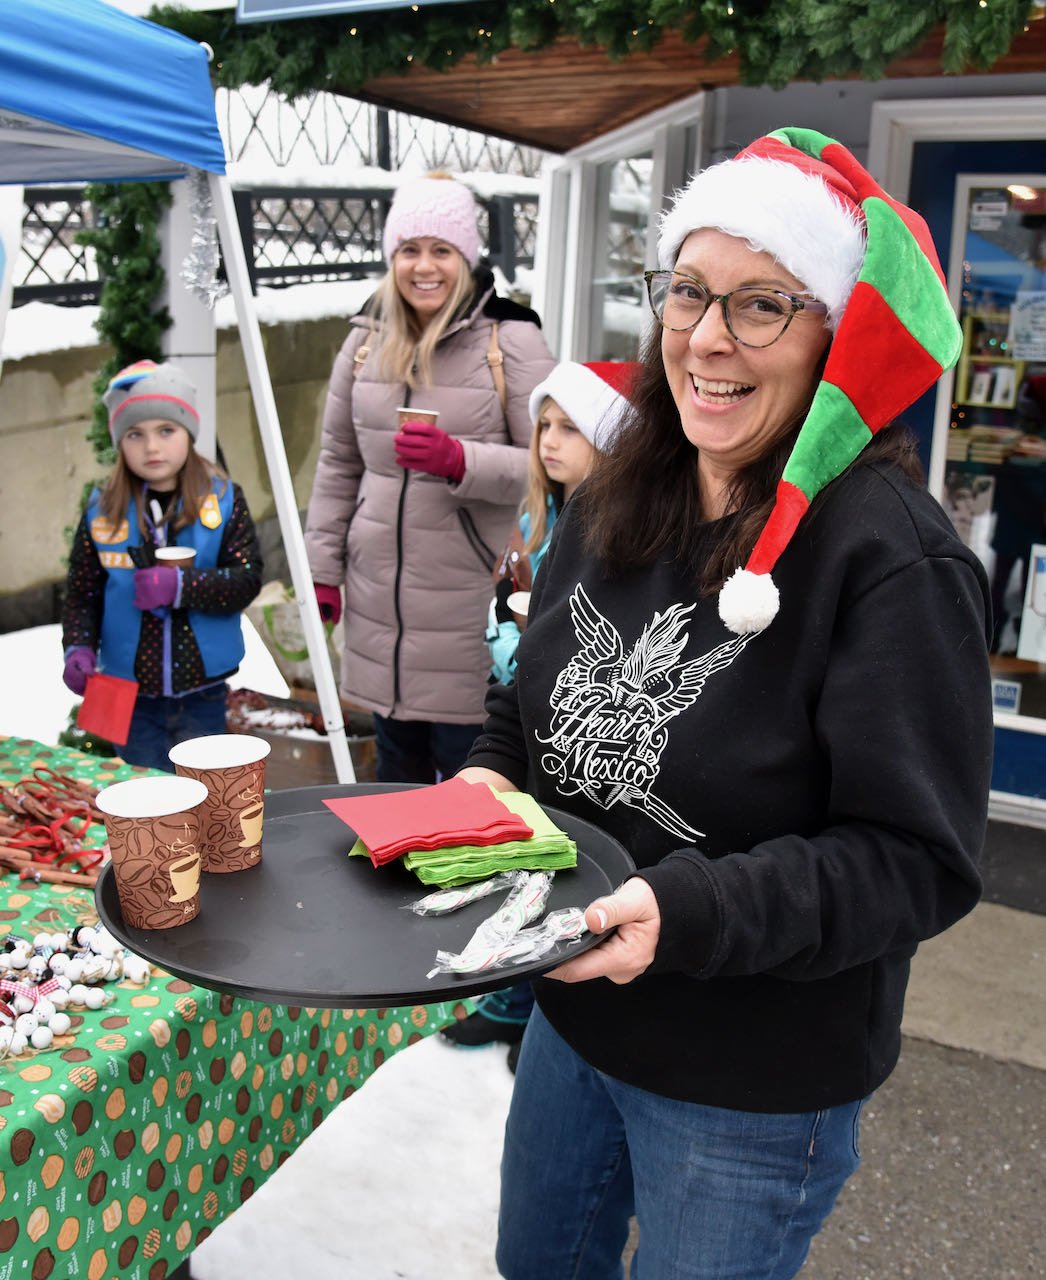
(124, 1145)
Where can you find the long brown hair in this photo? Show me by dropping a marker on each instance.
(193, 488)
(644, 498)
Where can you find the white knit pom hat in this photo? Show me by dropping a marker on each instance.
(440, 207)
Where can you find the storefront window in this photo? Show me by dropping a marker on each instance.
(994, 475)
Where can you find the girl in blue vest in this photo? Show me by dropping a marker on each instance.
(175, 630)
(575, 412)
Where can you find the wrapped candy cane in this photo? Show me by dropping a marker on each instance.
(565, 925)
(524, 904)
(443, 901)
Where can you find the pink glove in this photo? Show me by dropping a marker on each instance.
(155, 587)
(79, 666)
(420, 446)
(329, 600)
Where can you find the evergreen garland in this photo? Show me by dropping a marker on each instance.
(126, 240)
(776, 41)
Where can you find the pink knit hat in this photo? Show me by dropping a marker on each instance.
(440, 207)
(594, 396)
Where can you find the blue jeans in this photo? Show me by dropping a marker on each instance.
(421, 750)
(159, 723)
(718, 1194)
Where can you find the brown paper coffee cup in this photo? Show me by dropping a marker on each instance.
(404, 414)
(179, 556)
(232, 768)
(153, 826)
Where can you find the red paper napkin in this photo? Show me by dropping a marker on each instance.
(107, 707)
(452, 812)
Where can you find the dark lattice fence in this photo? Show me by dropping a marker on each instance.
(303, 233)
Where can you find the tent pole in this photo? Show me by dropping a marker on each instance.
(279, 474)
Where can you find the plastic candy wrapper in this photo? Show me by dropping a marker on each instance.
(443, 901)
(522, 906)
(565, 925)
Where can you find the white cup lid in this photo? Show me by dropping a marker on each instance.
(219, 751)
(150, 797)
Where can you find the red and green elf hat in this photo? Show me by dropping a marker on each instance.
(895, 328)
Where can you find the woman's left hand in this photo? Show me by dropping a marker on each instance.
(422, 446)
(627, 952)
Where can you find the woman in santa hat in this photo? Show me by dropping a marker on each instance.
(756, 654)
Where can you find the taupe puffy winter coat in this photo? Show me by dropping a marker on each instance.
(414, 551)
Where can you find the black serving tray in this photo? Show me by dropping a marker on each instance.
(311, 926)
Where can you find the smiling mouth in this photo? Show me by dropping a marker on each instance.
(720, 391)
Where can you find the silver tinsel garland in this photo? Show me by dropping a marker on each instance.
(200, 268)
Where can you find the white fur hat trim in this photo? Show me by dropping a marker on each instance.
(748, 601)
(588, 400)
(778, 209)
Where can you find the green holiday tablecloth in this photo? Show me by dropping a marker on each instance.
(124, 1146)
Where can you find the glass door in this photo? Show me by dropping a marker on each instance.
(990, 441)
(623, 195)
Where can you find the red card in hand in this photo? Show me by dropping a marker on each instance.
(107, 707)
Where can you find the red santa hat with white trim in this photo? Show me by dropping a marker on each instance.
(594, 396)
(803, 198)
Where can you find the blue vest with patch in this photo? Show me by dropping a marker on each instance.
(218, 636)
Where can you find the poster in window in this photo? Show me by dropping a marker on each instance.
(1028, 325)
(1031, 646)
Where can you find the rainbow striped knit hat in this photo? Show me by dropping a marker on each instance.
(805, 199)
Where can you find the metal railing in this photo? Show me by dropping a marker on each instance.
(306, 233)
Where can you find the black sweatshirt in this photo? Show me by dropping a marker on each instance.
(807, 804)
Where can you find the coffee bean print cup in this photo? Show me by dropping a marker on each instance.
(232, 768)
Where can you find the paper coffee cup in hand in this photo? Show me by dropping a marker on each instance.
(177, 556)
(519, 604)
(405, 414)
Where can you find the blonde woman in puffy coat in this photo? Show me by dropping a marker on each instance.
(408, 516)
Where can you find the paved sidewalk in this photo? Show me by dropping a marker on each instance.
(954, 1144)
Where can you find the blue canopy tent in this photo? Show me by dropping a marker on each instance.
(88, 93)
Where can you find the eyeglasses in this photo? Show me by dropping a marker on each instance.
(754, 316)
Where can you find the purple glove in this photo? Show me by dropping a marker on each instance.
(155, 587)
(420, 446)
(329, 600)
(79, 666)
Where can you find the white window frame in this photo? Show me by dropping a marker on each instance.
(895, 129)
(569, 209)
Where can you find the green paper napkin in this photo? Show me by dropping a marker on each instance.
(549, 849)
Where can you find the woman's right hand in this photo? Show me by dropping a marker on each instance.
(473, 773)
(329, 600)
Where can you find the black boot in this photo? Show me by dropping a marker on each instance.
(477, 1029)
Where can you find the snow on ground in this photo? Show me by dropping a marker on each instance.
(400, 1182)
